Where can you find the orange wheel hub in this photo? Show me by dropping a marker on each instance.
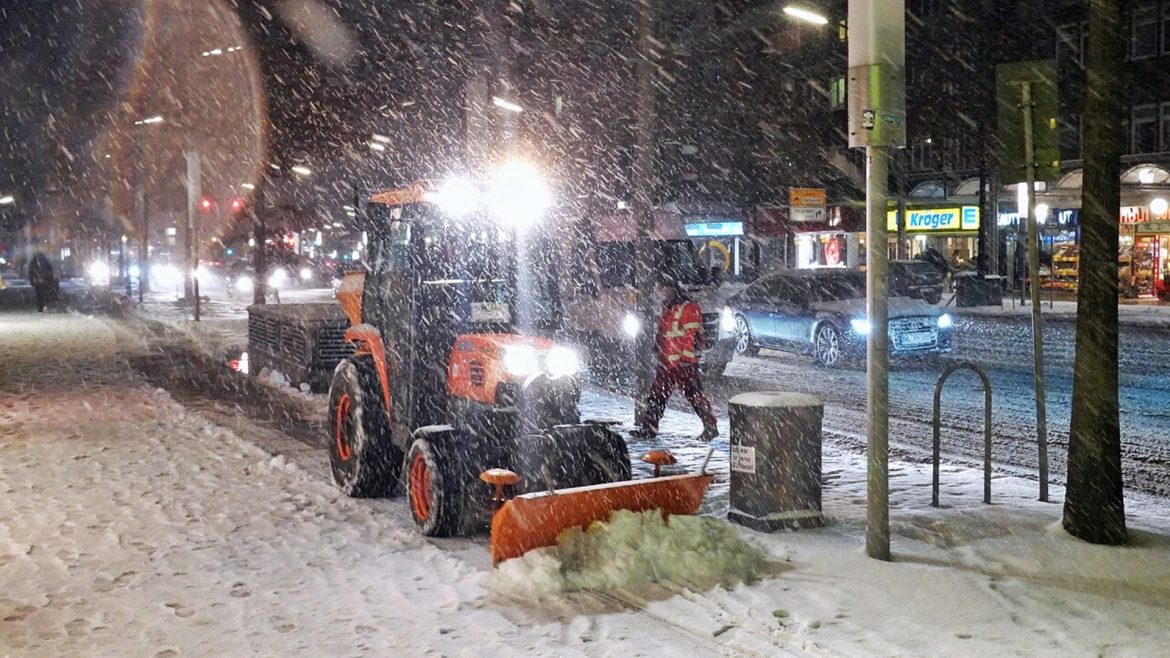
(342, 426)
(420, 487)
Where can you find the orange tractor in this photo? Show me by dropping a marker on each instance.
(445, 395)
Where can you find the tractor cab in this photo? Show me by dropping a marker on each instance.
(444, 384)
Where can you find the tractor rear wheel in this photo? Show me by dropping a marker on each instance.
(364, 461)
(438, 475)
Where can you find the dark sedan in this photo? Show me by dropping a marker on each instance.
(822, 313)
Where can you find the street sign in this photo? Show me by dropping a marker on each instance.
(806, 196)
(807, 213)
(1041, 76)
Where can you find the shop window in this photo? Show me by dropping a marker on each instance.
(837, 93)
(1144, 38)
(1144, 129)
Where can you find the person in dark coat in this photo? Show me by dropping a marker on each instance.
(42, 279)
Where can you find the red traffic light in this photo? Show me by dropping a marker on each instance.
(206, 203)
(237, 204)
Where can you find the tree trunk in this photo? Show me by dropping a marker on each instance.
(1094, 507)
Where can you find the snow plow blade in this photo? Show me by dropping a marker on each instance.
(534, 520)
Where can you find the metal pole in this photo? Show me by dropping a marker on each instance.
(1034, 274)
(259, 262)
(877, 534)
(643, 186)
(194, 192)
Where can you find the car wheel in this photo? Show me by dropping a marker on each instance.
(743, 338)
(827, 346)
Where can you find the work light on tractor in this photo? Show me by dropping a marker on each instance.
(446, 398)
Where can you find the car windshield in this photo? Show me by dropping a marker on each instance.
(837, 288)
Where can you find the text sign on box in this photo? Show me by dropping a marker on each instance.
(743, 459)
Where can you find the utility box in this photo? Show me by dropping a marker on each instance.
(776, 460)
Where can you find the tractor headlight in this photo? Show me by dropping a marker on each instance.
(458, 197)
(727, 320)
(562, 362)
(520, 360)
(860, 325)
(945, 321)
(631, 325)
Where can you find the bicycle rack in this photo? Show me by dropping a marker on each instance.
(986, 427)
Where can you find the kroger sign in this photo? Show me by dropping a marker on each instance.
(963, 218)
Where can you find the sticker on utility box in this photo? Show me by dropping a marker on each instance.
(743, 459)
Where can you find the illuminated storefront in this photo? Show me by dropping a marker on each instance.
(952, 230)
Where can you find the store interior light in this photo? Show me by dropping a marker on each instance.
(506, 104)
(1158, 207)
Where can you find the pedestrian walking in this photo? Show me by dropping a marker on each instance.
(44, 283)
(679, 342)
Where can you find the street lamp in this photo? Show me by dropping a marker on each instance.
(149, 120)
(806, 15)
(301, 170)
(505, 104)
(7, 199)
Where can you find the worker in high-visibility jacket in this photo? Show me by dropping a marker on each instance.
(679, 343)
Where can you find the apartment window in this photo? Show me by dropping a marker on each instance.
(1166, 27)
(837, 93)
(1145, 35)
(1070, 137)
(1165, 127)
(1144, 129)
(1068, 44)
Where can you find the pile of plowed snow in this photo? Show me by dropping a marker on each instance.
(634, 549)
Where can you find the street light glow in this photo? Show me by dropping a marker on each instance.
(149, 120)
(247, 186)
(302, 170)
(805, 15)
(7, 199)
(381, 138)
(506, 104)
(377, 146)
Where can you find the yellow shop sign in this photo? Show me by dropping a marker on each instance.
(920, 220)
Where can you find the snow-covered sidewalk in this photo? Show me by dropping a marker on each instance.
(130, 525)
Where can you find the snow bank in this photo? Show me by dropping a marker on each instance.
(631, 550)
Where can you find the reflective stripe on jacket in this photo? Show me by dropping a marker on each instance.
(680, 330)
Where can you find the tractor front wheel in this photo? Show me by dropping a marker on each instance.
(363, 460)
(436, 483)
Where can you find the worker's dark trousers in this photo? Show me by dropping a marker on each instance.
(666, 380)
(43, 294)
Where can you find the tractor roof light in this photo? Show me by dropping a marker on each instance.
(518, 195)
(457, 196)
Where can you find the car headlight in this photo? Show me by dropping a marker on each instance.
(520, 360)
(727, 320)
(860, 325)
(945, 321)
(562, 362)
(277, 278)
(98, 271)
(631, 325)
(244, 282)
(306, 273)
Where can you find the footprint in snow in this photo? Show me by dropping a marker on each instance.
(181, 610)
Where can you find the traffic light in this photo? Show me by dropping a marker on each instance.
(207, 203)
(237, 204)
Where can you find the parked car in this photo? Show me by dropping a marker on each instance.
(822, 313)
(916, 278)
